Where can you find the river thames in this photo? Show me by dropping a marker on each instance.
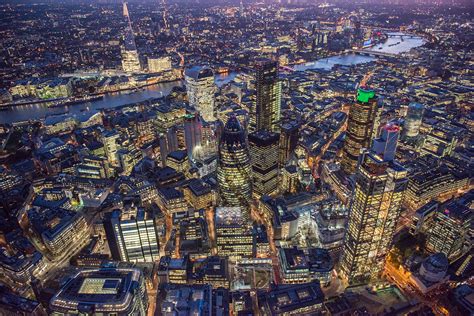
(393, 45)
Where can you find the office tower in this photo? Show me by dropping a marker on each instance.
(289, 134)
(289, 179)
(234, 173)
(105, 291)
(192, 134)
(386, 145)
(130, 58)
(359, 128)
(168, 143)
(125, 10)
(209, 140)
(233, 236)
(159, 64)
(132, 235)
(268, 98)
(448, 231)
(413, 119)
(201, 88)
(263, 147)
(109, 139)
(374, 212)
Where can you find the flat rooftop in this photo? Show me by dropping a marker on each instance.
(105, 289)
(229, 216)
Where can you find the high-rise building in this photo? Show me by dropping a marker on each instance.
(268, 98)
(374, 212)
(130, 58)
(106, 291)
(413, 119)
(263, 147)
(234, 171)
(132, 235)
(448, 231)
(289, 134)
(289, 179)
(386, 145)
(192, 134)
(359, 128)
(109, 139)
(201, 88)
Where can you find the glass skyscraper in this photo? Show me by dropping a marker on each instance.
(360, 125)
(264, 153)
(234, 173)
(268, 99)
(374, 212)
(413, 119)
(130, 58)
(200, 87)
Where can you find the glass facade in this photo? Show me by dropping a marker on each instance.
(360, 125)
(200, 87)
(234, 173)
(413, 119)
(264, 153)
(373, 216)
(268, 102)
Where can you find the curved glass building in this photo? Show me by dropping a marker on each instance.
(201, 88)
(413, 119)
(234, 171)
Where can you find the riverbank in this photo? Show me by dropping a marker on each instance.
(114, 100)
(60, 102)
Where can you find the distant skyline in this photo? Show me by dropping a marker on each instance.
(462, 3)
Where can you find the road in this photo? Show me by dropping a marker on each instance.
(402, 280)
(209, 214)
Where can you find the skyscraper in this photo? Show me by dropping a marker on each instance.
(234, 174)
(192, 133)
(289, 134)
(359, 128)
(132, 236)
(264, 156)
(130, 58)
(109, 139)
(386, 145)
(201, 88)
(374, 211)
(268, 99)
(413, 119)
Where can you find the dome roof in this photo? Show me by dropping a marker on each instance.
(437, 262)
(234, 135)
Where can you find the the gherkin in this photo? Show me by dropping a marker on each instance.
(234, 173)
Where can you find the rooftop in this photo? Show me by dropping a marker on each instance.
(103, 289)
